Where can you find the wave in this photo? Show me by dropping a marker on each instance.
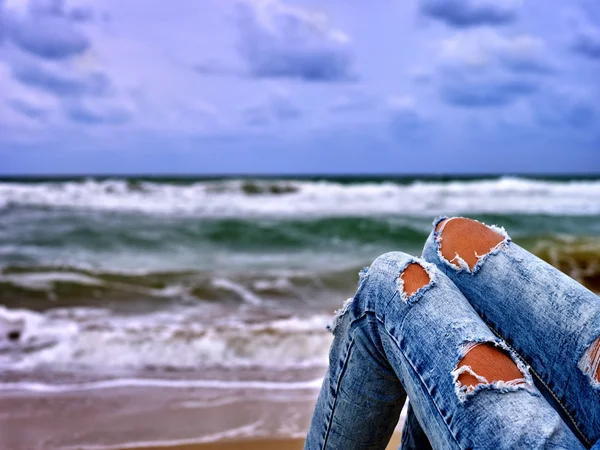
(167, 384)
(250, 430)
(171, 340)
(187, 321)
(322, 265)
(301, 198)
(41, 288)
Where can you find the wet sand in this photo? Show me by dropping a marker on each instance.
(156, 419)
(262, 444)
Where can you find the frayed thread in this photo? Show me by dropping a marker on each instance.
(362, 275)
(429, 269)
(463, 392)
(462, 264)
(590, 361)
(338, 314)
(468, 369)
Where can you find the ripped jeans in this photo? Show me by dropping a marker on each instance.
(539, 328)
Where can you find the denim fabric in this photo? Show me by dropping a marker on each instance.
(388, 345)
(413, 436)
(545, 316)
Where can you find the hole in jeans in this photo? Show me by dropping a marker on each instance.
(590, 362)
(466, 240)
(414, 278)
(487, 364)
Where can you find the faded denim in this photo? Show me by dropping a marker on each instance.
(388, 346)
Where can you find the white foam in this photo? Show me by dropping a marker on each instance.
(246, 295)
(36, 332)
(183, 338)
(158, 383)
(232, 433)
(228, 199)
(45, 280)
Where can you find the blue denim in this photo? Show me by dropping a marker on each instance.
(388, 346)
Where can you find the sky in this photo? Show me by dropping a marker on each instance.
(295, 87)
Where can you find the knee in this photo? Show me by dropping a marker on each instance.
(467, 240)
(386, 265)
(414, 277)
(401, 272)
(590, 362)
(487, 364)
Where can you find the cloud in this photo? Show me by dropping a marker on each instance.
(49, 37)
(485, 48)
(469, 13)
(256, 116)
(484, 69)
(477, 93)
(27, 109)
(279, 107)
(47, 7)
(46, 60)
(216, 67)
(404, 113)
(283, 108)
(47, 30)
(406, 121)
(57, 8)
(97, 114)
(81, 14)
(62, 82)
(566, 108)
(420, 75)
(279, 41)
(587, 41)
(353, 101)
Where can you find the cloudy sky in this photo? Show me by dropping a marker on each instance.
(311, 86)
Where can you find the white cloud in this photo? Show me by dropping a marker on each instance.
(281, 41)
(482, 68)
(486, 48)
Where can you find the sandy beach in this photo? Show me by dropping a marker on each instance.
(263, 444)
(155, 418)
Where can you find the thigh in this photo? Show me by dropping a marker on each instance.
(413, 435)
(551, 321)
(393, 339)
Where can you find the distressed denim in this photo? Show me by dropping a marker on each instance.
(545, 316)
(388, 345)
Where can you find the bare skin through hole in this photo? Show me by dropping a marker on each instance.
(414, 278)
(593, 354)
(488, 362)
(466, 238)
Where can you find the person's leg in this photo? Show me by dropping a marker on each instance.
(549, 319)
(413, 435)
(409, 330)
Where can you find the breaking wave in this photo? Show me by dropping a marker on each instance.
(298, 198)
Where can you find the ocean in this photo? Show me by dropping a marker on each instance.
(215, 293)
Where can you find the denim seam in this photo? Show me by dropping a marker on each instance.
(541, 380)
(337, 386)
(422, 382)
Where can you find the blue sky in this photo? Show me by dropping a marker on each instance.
(272, 86)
